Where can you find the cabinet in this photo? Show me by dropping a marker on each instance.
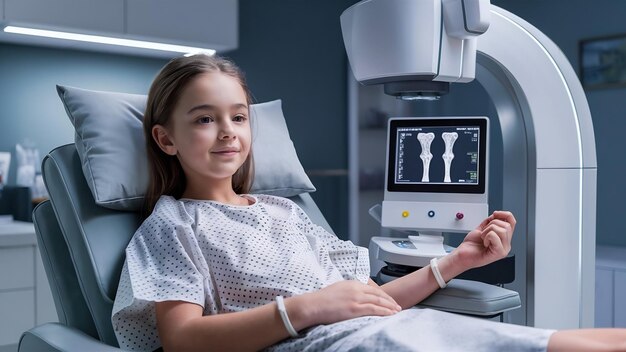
(86, 15)
(211, 24)
(604, 297)
(620, 293)
(25, 297)
(610, 306)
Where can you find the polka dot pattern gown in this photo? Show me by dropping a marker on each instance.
(225, 258)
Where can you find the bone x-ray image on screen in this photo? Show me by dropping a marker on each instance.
(437, 154)
(442, 155)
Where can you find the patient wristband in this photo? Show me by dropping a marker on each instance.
(435, 269)
(283, 315)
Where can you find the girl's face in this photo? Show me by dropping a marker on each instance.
(210, 128)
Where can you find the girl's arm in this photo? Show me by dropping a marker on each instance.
(413, 288)
(182, 327)
(490, 241)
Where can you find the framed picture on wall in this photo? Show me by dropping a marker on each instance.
(603, 62)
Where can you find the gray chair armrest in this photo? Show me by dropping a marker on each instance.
(55, 337)
(473, 298)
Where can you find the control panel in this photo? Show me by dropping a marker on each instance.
(433, 216)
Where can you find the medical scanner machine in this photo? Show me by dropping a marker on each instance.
(416, 49)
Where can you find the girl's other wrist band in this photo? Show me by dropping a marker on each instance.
(282, 310)
(434, 267)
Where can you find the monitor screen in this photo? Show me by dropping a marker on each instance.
(440, 155)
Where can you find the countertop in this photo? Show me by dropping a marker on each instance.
(17, 233)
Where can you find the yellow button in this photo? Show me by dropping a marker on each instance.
(405, 214)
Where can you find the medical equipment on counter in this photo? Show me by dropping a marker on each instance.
(444, 160)
(416, 48)
(444, 163)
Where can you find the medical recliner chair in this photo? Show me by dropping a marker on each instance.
(82, 246)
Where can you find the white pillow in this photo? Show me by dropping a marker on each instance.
(111, 145)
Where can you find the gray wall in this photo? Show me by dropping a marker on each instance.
(566, 22)
(29, 105)
(293, 50)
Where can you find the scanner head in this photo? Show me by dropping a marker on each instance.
(416, 48)
(417, 90)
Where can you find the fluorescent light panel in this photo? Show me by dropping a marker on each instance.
(189, 50)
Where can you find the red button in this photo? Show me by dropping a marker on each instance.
(459, 216)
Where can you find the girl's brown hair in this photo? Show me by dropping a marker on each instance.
(166, 173)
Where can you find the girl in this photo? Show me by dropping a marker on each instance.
(210, 265)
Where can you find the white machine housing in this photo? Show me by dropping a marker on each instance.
(549, 170)
(376, 34)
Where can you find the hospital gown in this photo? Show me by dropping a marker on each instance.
(229, 258)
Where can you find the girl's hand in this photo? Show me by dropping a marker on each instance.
(489, 242)
(349, 299)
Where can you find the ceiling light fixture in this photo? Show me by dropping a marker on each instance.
(188, 50)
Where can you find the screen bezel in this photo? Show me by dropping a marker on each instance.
(394, 124)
